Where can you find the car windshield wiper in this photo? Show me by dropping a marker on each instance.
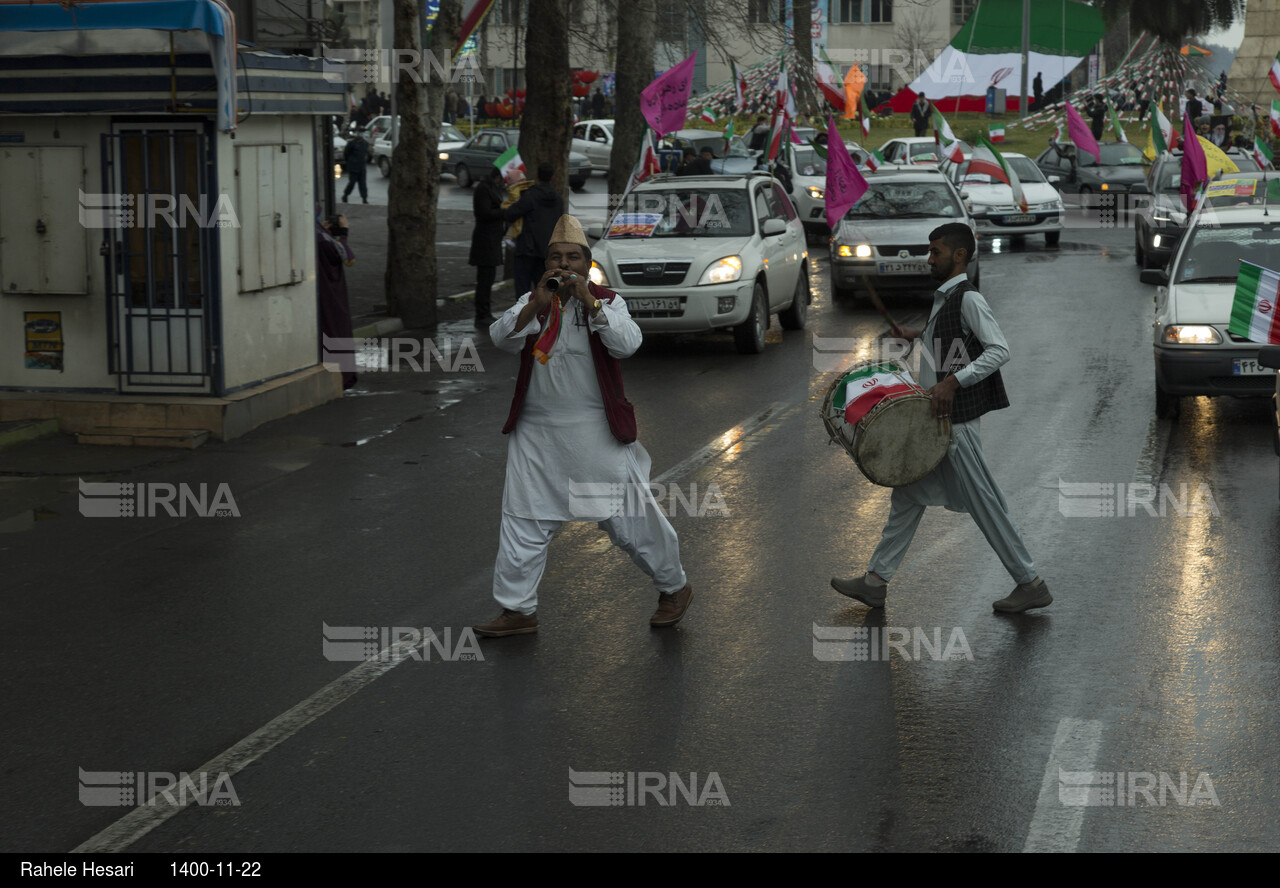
(1219, 279)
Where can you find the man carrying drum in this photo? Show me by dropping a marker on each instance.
(962, 336)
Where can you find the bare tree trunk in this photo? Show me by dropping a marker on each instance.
(802, 76)
(548, 108)
(414, 187)
(636, 24)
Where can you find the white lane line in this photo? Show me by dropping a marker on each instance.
(146, 817)
(721, 443)
(1055, 826)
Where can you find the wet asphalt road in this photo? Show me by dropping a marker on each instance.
(167, 645)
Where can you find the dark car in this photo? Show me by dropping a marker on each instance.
(473, 159)
(1078, 172)
(1162, 220)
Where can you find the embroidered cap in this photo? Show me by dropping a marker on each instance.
(569, 231)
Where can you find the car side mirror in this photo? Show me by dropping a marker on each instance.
(1139, 188)
(1054, 180)
(1156, 276)
(595, 231)
(1269, 356)
(964, 195)
(773, 227)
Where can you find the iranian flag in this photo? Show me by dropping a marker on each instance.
(739, 87)
(866, 115)
(707, 115)
(728, 135)
(647, 165)
(1275, 118)
(511, 165)
(986, 160)
(1255, 308)
(995, 132)
(875, 160)
(865, 388)
(1162, 135)
(1262, 154)
(946, 139)
(1115, 124)
(1274, 73)
(829, 82)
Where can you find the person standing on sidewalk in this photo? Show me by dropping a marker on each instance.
(573, 439)
(538, 208)
(333, 254)
(960, 325)
(355, 159)
(486, 241)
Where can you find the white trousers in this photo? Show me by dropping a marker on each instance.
(962, 482)
(647, 537)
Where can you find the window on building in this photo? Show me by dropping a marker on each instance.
(766, 12)
(961, 10)
(881, 11)
(847, 11)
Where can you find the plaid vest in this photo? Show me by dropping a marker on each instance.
(955, 351)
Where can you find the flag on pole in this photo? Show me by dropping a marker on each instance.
(1115, 123)
(1274, 74)
(1195, 169)
(866, 114)
(1080, 134)
(1262, 154)
(1162, 136)
(739, 87)
(819, 149)
(728, 135)
(875, 160)
(1255, 311)
(987, 160)
(828, 80)
(845, 184)
(947, 141)
(511, 165)
(777, 134)
(473, 12)
(648, 164)
(665, 102)
(1275, 118)
(995, 132)
(707, 115)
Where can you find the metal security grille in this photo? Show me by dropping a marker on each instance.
(160, 254)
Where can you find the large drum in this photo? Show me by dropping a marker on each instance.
(898, 440)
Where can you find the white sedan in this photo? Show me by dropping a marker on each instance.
(991, 202)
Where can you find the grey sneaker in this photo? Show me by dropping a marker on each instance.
(1025, 596)
(860, 590)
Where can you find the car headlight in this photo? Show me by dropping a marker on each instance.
(862, 251)
(815, 192)
(1046, 207)
(1191, 334)
(596, 275)
(723, 271)
(444, 155)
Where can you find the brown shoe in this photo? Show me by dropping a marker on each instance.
(671, 606)
(508, 622)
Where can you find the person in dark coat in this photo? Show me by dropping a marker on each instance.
(486, 241)
(332, 256)
(355, 160)
(921, 115)
(540, 207)
(1194, 108)
(597, 110)
(1097, 111)
(1037, 89)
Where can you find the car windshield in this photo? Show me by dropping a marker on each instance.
(1113, 154)
(808, 163)
(1023, 167)
(683, 212)
(1169, 178)
(1230, 191)
(1214, 252)
(450, 133)
(900, 200)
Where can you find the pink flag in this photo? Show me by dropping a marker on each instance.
(844, 183)
(1080, 134)
(1195, 169)
(664, 102)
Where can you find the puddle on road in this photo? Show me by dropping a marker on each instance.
(26, 520)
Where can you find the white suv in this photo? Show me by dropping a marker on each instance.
(697, 253)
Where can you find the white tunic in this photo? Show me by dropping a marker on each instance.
(562, 436)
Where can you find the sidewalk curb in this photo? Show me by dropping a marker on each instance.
(28, 431)
(388, 326)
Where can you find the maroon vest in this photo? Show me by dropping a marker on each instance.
(617, 409)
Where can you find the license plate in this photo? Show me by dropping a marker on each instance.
(1248, 367)
(654, 303)
(1019, 220)
(904, 268)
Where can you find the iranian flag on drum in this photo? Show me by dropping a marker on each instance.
(868, 386)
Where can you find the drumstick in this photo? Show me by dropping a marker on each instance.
(875, 300)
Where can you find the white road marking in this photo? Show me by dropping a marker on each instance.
(144, 818)
(721, 443)
(1055, 827)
